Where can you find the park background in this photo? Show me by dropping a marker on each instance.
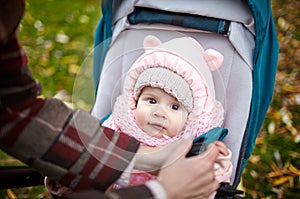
(58, 38)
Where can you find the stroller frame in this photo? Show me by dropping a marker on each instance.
(265, 57)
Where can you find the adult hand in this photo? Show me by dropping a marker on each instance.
(151, 159)
(191, 177)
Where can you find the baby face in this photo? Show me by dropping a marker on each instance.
(159, 114)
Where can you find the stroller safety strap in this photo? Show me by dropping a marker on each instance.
(150, 16)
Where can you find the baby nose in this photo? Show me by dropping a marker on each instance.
(159, 112)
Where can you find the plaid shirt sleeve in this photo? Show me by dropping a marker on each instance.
(68, 146)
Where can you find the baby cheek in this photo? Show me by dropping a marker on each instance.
(137, 117)
(178, 125)
(140, 116)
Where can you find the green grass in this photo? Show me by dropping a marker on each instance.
(58, 36)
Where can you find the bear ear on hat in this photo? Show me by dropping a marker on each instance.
(150, 41)
(214, 59)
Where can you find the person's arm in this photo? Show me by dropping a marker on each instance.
(179, 178)
(69, 146)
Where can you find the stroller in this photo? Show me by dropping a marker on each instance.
(244, 33)
(244, 84)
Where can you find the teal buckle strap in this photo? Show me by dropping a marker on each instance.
(151, 16)
(212, 135)
(201, 142)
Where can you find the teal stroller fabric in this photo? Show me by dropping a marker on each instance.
(265, 59)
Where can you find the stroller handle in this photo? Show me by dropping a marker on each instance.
(19, 176)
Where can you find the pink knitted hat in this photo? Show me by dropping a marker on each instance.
(185, 58)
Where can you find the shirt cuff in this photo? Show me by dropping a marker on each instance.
(125, 177)
(55, 188)
(157, 190)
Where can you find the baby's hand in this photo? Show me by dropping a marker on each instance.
(222, 148)
(223, 165)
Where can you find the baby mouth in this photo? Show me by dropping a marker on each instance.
(158, 126)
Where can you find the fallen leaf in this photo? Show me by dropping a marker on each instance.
(11, 194)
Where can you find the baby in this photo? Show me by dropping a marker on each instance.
(168, 93)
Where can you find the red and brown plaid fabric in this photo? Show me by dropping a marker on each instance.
(68, 146)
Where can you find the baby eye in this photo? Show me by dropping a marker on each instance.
(151, 101)
(175, 107)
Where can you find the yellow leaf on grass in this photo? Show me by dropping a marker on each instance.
(295, 154)
(282, 180)
(274, 174)
(275, 167)
(259, 141)
(73, 68)
(294, 170)
(48, 71)
(254, 159)
(11, 194)
(283, 24)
